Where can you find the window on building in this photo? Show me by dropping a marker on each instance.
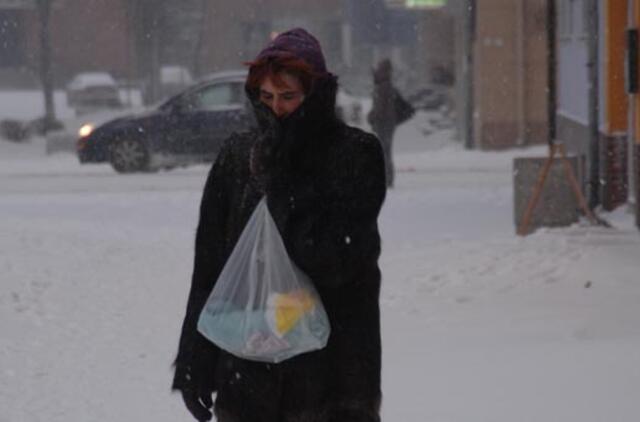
(581, 15)
(573, 19)
(564, 19)
(587, 19)
(11, 38)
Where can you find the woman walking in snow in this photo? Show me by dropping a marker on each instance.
(325, 184)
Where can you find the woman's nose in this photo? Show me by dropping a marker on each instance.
(278, 107)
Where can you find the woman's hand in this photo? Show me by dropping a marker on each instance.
(198, 404)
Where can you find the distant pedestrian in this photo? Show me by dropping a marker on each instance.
(389, 110)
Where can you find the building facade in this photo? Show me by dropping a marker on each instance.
(510, 73)
(131, 38)
(85, 35)
(609, 111)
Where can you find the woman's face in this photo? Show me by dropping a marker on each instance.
(283, 98)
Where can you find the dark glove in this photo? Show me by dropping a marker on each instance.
(198, 404)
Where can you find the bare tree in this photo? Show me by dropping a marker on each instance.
(146, 21)
(46, 64)
(201, 31)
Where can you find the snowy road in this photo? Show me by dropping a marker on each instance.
(478, 324)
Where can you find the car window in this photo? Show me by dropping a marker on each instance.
(219, 96)
(237, 92)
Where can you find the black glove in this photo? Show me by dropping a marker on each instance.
(198, 404)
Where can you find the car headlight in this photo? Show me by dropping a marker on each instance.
(85, 130)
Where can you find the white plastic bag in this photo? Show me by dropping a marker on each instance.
(263, 307)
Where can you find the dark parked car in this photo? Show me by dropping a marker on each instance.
(188, 128)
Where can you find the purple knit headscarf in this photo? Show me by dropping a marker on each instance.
(297, 43)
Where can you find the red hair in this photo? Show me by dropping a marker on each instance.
(274, 66)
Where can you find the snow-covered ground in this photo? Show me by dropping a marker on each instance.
(479, 325)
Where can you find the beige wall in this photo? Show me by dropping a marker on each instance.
(510, 74)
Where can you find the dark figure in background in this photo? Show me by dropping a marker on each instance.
(389, 110)
(324, 183)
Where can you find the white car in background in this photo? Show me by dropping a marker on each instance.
(91, 91)
(174, 79)
(353, 110)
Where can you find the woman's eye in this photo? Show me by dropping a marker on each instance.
(289, 97)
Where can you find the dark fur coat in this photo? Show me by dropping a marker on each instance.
(325, 185)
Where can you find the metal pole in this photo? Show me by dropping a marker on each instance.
(520, 72)
(469, 13)
(631, 125)
(594, 99)
(551, 70)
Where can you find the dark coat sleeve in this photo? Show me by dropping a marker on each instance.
(334, 235)
(197, 357)
(404, 110)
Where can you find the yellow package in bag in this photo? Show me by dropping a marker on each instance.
(284, 310)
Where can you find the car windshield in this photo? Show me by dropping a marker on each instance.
(218, 96)
(210, 97)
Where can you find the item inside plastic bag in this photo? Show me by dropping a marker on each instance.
(263, 307)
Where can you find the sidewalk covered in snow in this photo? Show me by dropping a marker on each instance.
(478, 324)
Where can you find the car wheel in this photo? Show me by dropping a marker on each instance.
(129, 156)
